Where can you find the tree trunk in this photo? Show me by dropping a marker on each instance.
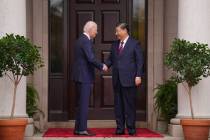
(191, 106)
(14, 100)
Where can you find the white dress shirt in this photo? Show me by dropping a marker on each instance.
(87, 35)
(124, 41)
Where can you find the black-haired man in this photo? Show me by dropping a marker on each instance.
(126, 59)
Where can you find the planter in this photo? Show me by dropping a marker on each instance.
(195, 129)
(12, 129)
(162, 126)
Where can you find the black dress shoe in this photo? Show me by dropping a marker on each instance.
(132, 132)
(119, 132)
(84, 133)
(75, 132)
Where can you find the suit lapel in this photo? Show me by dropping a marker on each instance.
(125, 47)
(117, 46)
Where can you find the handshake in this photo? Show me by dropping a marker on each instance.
(105, 68)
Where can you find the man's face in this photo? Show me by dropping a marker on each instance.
(93, 32)
(120, 33)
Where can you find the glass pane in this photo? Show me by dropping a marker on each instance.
(56, 36)
(138, 25)
(138, 21)
(138, 32)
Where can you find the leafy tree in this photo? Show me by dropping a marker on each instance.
(18, 57)
(191, 62)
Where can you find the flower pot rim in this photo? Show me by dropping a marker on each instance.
(195, 122)
(13, 122)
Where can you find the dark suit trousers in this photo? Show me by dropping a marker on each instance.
(125, 106)
(83, 90)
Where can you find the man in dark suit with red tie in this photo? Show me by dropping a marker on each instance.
(126, 59)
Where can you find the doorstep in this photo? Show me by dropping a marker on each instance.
(39, 137)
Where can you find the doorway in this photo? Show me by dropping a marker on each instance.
(67, 18)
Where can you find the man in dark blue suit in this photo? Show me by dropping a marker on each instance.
(83, 75)
(126, 59)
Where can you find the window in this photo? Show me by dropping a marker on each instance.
(56, 32)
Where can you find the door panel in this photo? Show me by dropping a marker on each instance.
(57, 104)
(109, 20)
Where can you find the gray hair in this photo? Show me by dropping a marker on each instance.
(88, 26)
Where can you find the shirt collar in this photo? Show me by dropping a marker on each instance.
(125, 40)
(87, 35)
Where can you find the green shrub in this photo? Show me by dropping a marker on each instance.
(166, 99)
(32, 100)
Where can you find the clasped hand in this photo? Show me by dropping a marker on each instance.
(105, 68)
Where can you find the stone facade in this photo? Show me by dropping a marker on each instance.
(167, 19)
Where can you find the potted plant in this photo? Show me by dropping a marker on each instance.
(32, 109)
(18, 58)
(191, 62)
(166, 103)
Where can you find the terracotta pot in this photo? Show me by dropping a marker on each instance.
(195, 129)
(12, 129)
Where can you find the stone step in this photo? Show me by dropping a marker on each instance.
(39, 137)
(115, 138)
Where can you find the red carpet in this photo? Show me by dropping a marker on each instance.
(100, 132)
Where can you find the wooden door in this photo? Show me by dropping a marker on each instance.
(106, 13)
(66, 21)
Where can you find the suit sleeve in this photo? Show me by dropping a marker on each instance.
(87, 48)
(139, 60)
(109, 60)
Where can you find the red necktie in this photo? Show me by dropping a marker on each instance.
(120, 49)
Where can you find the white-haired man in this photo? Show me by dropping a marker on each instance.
(83, 75)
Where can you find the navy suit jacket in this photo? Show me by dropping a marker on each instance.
(128, 64)
(84, 61)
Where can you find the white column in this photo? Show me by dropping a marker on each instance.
(193, 25)
(12, 20)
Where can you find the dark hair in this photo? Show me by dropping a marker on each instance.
(123, 26)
